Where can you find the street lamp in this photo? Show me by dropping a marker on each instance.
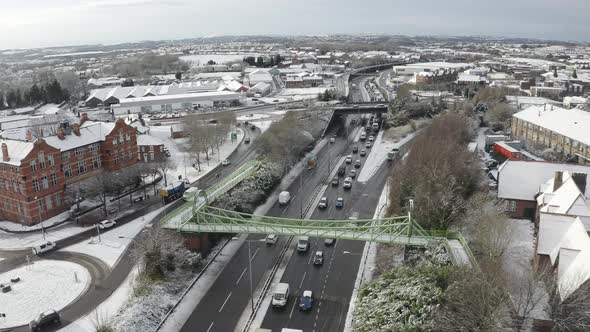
(39, 203)
(250, 268)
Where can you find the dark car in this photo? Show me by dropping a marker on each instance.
(339, 202)
(252, 127)
(357, 164)
(363, 153)
(47, 318)
(355, 149)
(335, 181)
(306, 301)
(247, 140)
(318, 258)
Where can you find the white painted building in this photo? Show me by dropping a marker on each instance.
(169, 103)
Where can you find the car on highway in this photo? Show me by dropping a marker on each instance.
(363, 137)
(347, 183)
(45, 319)
(306, 301)
(339, 203)
(329, 241)
(371, 138)
(303, 244)
(44, 247)
(357, 163)
(247, 140)
(318, 258)
(280, 295)
(106, 224)
(352, 173)
(341, 170)
(348, 159)
(225, 162)
(335, 181)
(271, 239)
(323, 203)
(332, 140)
(363, 153)
(368, 145)
(355, 149)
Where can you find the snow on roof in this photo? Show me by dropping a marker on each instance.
(574, 259)
(572, 123)
(471, 78)
(171, 98)
(17, 151)
(522, 180)
(261, 86)
(139, 127)
(148, 140)
(90, 132)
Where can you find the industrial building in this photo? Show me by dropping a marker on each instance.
(170, 103)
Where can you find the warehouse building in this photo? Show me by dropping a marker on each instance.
(170, 103)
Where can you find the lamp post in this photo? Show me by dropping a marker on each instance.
(39, 203)
(250, 269)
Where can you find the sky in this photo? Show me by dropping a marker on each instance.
(43, 23)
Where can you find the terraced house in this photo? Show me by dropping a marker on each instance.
(565, 130)
(35, 174)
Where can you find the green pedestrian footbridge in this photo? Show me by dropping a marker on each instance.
(197, 216)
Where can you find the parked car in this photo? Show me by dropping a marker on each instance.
(339, 203)
(357, 163)
(106, 224)
(348, 159)
(323, 203)
(329, 241)
(44, 247)
(271, 239)
(335, 181)
(306, 301)
(225, 162)
(352, 173)
(363, 153)
(355, 149)
(318, 258)
(47, 318)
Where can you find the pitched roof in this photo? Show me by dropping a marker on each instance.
(572, 123)
(148, 140)
(17, 151)
(90, 132)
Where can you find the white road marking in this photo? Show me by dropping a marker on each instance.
(224, 302)
(210, 326)
(255, 253)
(241, 275)
(301, 283)
(292, 309)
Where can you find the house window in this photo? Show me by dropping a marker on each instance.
(40, 205)
(7, 183)
(511, 206)
(15, 186)
(57, 200)
(65, 156)
(82, 167)
(130, 155)
(44, 182)
(48, 202)
(121, 136)
(1, 183)
(68, 171)
(33, 165)
(96, 162)
(79, 152)
(53, 179)
(116, 158)
(123, 156)
(94, 149)
(128, 137)
(152, 155)
(42, 160)
(36, 187)
(22, 188)
(115, 141)
(51, 160)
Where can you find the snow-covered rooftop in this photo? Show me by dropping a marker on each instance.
(572, 123)
(90, 132)
(17, 151)
(148, 140)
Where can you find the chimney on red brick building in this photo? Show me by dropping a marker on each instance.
(29, 136)
(60, 133)
(83, 118)
(557, 180)
(76, 129)
(5, 156)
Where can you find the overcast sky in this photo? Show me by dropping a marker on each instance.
(39, 23)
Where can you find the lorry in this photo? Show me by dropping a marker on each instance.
(190, 194)
(173, 191)
(391, 154)
(284, 197)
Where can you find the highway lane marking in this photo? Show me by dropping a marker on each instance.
(255, 253)
(301, 283)
(210, 326)
(241, 275)
(310, 257)
(292, 308)
(224, 302)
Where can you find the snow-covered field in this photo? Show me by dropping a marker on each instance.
(254, 116)
(113, 243)
(10, 241)
(184, 161)
(44, 285)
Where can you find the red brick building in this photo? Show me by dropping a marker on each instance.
(34, 175)
(150, 149)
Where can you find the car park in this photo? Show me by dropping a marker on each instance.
(106, 224)
(352, 173)
(318, 258)
(225, 162)
(348, 159)
(363, 153)
(323, 203)
(271, 239)
(357, 163)
(355, 149)
(45, 319)
(44, 247)
(335, 181)
(329, 241)
(303, 244)
(306, 301)
(339, 203)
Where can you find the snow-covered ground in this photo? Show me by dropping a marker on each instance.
(263, 125)
(44, 285)
(254, 116)
(11, 241)
(113, 243)
(183, 161)
(377, 155)
(106, 310)
(13, 226)
(279, 112)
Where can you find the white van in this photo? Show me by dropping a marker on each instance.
(190, 194)
(284, 197)
(44, 247)
(280, 295)
(303, 244)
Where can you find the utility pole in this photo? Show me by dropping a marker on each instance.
(98, 231)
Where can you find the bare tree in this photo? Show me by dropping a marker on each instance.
(164, 165)
(528, 295)
(570, 314)
(157, 250)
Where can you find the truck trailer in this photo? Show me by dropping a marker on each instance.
(173, 191)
